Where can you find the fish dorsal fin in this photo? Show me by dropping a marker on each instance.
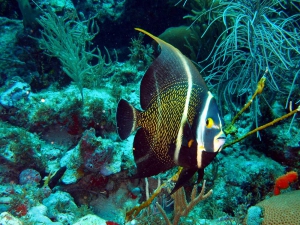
(169, 68)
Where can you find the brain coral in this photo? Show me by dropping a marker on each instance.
(282, 209)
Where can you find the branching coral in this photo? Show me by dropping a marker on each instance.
(181, 206)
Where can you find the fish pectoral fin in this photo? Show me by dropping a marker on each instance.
(145, 158)
(184, 177)
(188, 137)
(187, 153)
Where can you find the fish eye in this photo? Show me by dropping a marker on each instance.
(209, 123)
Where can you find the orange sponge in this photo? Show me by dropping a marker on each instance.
(284, 181)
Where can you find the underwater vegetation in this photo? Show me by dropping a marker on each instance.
(67, 39)
(256, 35)
(66, 65)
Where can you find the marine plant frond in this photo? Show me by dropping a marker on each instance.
(231, 129)
(256, 35)
(69, 39)
(202, 11)
(185, 1)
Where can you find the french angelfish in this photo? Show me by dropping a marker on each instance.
(179, 123)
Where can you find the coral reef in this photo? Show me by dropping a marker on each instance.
(255, 36)
(15, 90)
(61, 160)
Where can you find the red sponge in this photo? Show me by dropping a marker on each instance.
(284, 181)
(292, 176)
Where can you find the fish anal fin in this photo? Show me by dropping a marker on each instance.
(200, 175)
(207, 158)
(184, 177)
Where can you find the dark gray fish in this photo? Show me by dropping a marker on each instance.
(180, 123)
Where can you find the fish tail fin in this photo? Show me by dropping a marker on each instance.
(127, 119)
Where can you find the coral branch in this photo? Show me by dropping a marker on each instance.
(260, 86)
(265, 126)
(181, 206)
(131, 214)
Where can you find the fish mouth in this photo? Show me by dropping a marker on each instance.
(221, 141)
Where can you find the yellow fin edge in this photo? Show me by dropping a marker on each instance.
(158, 40)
